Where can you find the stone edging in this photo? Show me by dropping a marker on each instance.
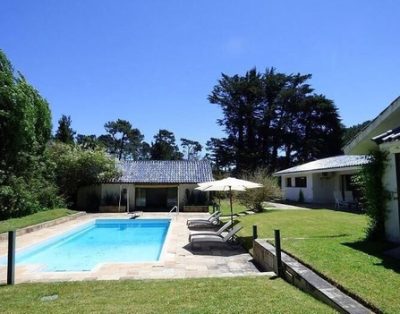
(306, 279)
(50, 223)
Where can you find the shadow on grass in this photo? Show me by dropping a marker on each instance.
(377, 249)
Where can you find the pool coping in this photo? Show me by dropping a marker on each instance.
(50, 223)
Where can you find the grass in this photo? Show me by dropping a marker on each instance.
(225, 207)
(213, 295)
(332, 243)
(17, 223)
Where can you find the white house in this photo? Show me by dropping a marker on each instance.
(148, 185)
(320, 179)
(383, 133)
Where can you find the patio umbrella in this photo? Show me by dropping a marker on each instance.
(229, 185)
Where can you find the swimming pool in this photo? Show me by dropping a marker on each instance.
(102, 241)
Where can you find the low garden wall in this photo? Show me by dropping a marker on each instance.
(302, 277)
(4, 236)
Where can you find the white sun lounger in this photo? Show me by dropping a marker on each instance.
(209, 232)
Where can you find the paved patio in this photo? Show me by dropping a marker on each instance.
(178, 260)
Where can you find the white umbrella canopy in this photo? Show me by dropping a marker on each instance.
(229, 185)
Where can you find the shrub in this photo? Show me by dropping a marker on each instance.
(374, 194)
(254, 198)
(76, 167)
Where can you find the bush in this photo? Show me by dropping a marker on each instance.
(374, 194)
(76, 167)
(254, 198)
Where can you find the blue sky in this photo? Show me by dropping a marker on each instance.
(154, 62)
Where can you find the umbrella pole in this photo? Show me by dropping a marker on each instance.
(230, 200)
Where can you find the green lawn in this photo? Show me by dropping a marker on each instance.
(214, 295)
(16, 223)
(226, 208)
(332, 243)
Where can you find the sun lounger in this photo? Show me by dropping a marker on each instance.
(217, 213)
(215, 238)
(214, 221)
(209, 232)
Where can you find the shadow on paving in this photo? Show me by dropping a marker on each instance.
(377, 249)
(215, 249)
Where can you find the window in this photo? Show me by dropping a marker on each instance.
(289, 182)
(300, 182)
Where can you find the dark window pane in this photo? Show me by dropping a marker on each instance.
(300, 182)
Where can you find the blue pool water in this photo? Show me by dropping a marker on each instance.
(104, 241)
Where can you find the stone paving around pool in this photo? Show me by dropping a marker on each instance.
(178, 259)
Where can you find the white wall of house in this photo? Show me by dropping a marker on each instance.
(320, 186)
(292, 193)
(392, 224)
(324, 186)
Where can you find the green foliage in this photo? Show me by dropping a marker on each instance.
(88, 141)
(254, 198)
(374, 194)
(26, 179)
(76, 167)
(273, 120)
(64, 132)
(164, 147)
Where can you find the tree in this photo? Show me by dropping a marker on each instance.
(351, 132)
(122, 139)
(76, 167)
(220, 155)
(192, 148)
(88, 141)
(274, 120)
(164, 146)
(65, 133)
(26, 183)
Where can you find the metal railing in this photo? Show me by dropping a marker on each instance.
(175, 208)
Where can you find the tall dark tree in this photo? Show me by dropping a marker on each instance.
(88, 141)
(65, 133)
(220, 154)
(274, 120)
(191, 148)
(164, 147)
(122, 139)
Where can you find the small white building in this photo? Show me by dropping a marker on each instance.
(383, 133)
(319, 180)
(150, 185)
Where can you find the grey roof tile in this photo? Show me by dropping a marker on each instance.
(337, 162)
(165, 171)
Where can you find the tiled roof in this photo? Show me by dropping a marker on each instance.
(165, 171)
(329, 163)
(388, 136)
